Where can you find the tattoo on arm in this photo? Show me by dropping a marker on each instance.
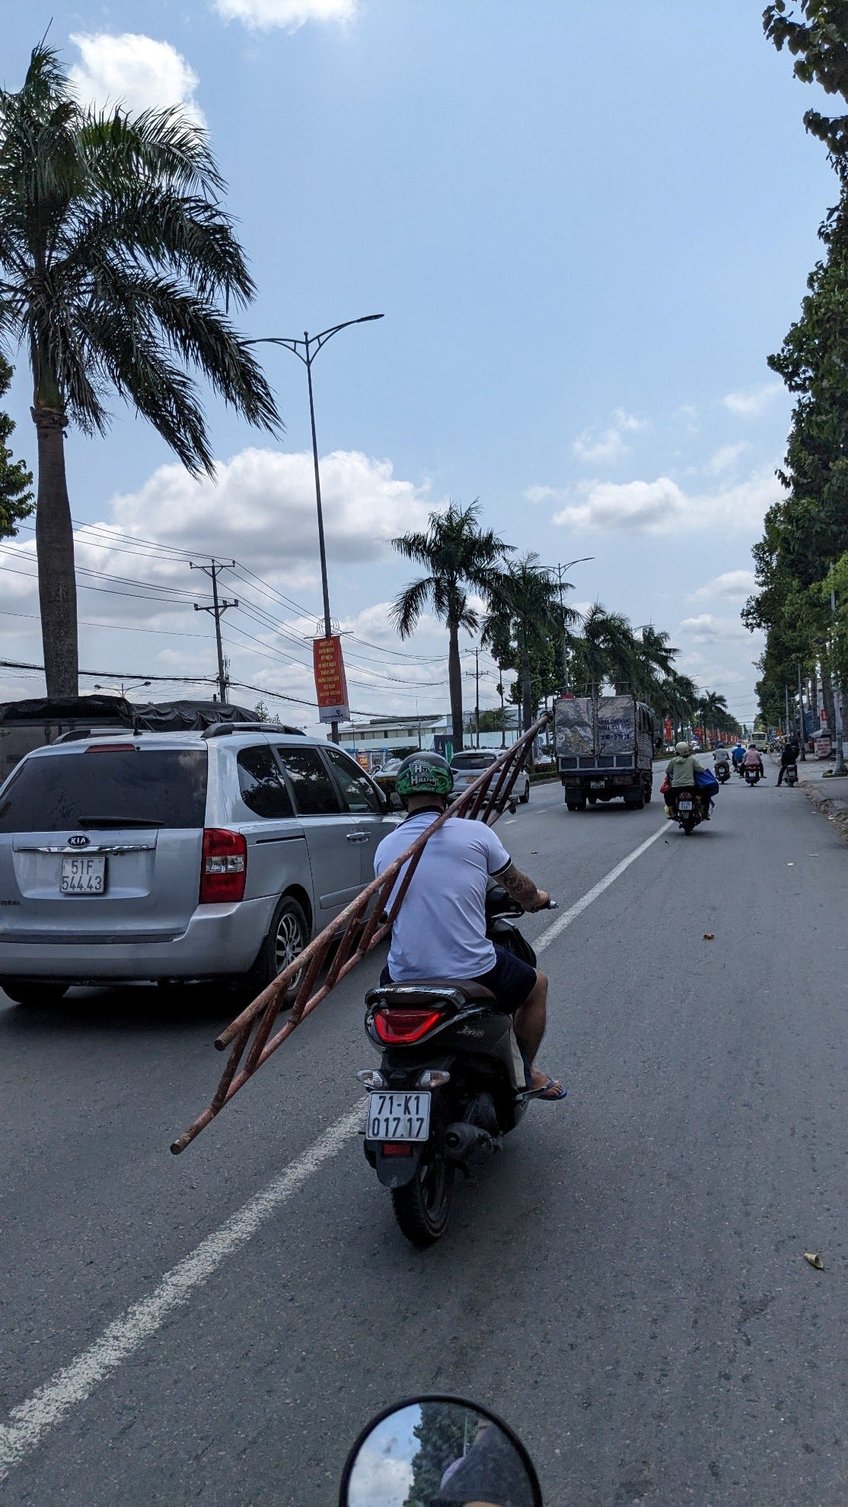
(518, 885)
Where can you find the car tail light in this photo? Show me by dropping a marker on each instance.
(223, 871)
(402, 1027)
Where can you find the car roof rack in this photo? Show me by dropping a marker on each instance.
(75, 733)
(222, 729)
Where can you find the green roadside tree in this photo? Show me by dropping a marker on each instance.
(460, 557)
(116, 261)
(16, 502)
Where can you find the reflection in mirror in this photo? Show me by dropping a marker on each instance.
(439, 1453)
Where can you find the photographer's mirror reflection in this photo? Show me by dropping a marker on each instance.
(435, 1452)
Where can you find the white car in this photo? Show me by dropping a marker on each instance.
(469, 765)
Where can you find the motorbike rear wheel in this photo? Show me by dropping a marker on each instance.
(422, 1207)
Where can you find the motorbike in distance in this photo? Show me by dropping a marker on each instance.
(790, 774)
(452, 1081)
(722, 773)
(753, 774)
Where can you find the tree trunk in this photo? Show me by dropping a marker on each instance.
(526, 684)
(54, 547)
(455, 685)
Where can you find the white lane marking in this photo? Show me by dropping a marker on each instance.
(31, 1420)
(558, 927)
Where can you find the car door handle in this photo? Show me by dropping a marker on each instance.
(357, 836)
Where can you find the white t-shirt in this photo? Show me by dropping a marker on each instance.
(440, 929)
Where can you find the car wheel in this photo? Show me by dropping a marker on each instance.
(23, 992)
(288, 934)
(526, 796)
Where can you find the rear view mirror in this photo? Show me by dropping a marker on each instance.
(395, 802)
(438, 1452)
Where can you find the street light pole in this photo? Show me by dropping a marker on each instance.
(306, 349)
(560, 572)
(839, 770)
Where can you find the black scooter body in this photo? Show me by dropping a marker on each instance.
(475, 1043)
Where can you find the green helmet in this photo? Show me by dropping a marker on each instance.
(424, 774)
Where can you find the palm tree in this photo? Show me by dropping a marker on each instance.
(654, 660)
(114, 257)
(714, 716)
(676, 699)
(458, 555)
(526, 627)
(605, 650)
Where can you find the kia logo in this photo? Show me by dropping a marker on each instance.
(78, 842)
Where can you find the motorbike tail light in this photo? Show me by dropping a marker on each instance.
(402, 1027)
(396, 1148)
(223, 869)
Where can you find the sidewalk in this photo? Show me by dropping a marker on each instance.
(829, 795)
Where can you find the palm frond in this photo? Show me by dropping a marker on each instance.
(407, 609)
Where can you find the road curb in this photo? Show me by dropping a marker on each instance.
(831, 806)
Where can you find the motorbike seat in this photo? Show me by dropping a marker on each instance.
(425, 991)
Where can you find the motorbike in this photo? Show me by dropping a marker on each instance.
(688, 810)
(722, 773)
(790, 774)
(439, 1449)
(452, 1082)
(753, 774)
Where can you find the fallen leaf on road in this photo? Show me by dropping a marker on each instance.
(709, 936)
(815, 1260)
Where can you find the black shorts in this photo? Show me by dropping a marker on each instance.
(511, 979)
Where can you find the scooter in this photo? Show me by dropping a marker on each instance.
(790, 774)
(452, 1082)
(439, 1449)
(688, 810)
(753, 774)
(722, 773)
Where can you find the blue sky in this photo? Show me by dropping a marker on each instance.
(586, 222)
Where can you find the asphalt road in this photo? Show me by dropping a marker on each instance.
(626, 1283)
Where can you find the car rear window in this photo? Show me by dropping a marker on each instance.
(472, 760)
(99, 786)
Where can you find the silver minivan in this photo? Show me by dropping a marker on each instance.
(167, 856)
(468, 765)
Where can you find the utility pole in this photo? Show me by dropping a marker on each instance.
(786, 718)
(802, 728)
(477, 688)
(217, 608)
(839, 768)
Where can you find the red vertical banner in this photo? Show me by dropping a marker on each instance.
(330, 679)
(668, 730)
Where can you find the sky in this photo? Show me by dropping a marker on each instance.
(586, 223)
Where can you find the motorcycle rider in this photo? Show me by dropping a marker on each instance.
(754, 760)
(440, 929)
(788, 756)
(738, 756)
(721, 756)
(680, 773)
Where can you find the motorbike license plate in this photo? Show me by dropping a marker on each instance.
(684, 805)
(83, 876)
(398, 1117)
(596, 784)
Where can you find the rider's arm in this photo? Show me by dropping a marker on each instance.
(521, 888)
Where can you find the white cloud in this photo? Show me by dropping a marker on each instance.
(540, 494)
(733, 585)
(662, 507)
(727, 457)
(135, 71)
(377, 1481)
(753, 401)
(289, 14)
(598, 445)
(709, 629)
(261, 508)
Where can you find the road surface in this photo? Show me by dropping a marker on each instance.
(626, 1283)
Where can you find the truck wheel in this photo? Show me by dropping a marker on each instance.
(31, 993)
(592, 799)
(634, 800)
(647, 790)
